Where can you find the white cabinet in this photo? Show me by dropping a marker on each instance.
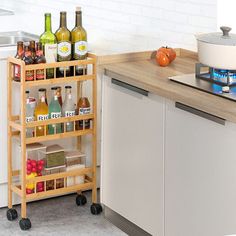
(132, 156)
(4, 53)
(200, 175)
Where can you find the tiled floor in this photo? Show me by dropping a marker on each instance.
(59, 216)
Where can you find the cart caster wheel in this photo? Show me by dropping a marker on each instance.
(96, 208)
(81, 200)
(25, 223)
(12, 214)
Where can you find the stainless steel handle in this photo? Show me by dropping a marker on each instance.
(129, 87)
(200, 113)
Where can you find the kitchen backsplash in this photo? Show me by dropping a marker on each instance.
(127, 25)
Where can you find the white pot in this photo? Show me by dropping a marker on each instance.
(217, 50)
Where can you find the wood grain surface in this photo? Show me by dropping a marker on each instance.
(143, 72)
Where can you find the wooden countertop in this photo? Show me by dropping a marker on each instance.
(141, 71)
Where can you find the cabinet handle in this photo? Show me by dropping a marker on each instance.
(200, 113)
(130, 87)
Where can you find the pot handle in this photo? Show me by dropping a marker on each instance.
(225, 30)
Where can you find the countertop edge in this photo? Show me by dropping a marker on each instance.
(186, 95)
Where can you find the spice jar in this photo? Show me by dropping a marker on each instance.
(83, 109)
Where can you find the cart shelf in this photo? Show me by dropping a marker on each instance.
(15, 123)
(90, 61)
(53, 177)
(18, 127)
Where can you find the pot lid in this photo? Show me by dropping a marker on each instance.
(219, 38)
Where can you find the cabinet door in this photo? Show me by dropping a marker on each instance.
(132, 156)
(3, 122)
(200, 175)
(4, 53)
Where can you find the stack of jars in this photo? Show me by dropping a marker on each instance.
(56, 109)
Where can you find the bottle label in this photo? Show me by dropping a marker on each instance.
(29, 75)
(85, 123)
(42, 117)
(17, 72)
(61, 69)
(50, 52)
(55, 115)
(69, 113)
(39, 74)
(84, 110)
(29, 119)
(80, 49)
(64, 50)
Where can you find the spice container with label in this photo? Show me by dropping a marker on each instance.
(33, 151)
(83, 109)
(53, 156)
(75, 160)
(58, 183)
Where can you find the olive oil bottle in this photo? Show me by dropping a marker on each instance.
(79, 42)
(63, 37)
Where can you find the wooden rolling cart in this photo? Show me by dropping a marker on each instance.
(17, 127)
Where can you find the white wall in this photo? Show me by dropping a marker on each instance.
(226, 14)
(128, 25)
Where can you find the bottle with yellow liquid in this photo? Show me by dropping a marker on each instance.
(79, 42)
(40, 114)
(63, 36)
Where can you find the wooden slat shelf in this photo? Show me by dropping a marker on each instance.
(58, 136)
(16, 124)
(73, 173)
(69, 79)
(59, 191)
(18, 127)
(76, 172)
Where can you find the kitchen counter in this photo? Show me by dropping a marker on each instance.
(141, 70)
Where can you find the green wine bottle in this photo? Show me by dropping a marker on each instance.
(49, 42)
(79, 42)
(63, 44)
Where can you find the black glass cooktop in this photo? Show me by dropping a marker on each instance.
(205, 85)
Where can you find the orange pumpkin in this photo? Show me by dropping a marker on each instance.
(170, 52)
(162, 59)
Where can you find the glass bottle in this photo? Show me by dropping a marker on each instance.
(68, 109)
(43, 93)
(39, 58)
(19, 55)
(59, 95)
(83, 109)
(32, 48)
(63, 36)
(30, 107)
(49, 42)
(40, 114)
(29, 74)
(54, 113)
(79, 42)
